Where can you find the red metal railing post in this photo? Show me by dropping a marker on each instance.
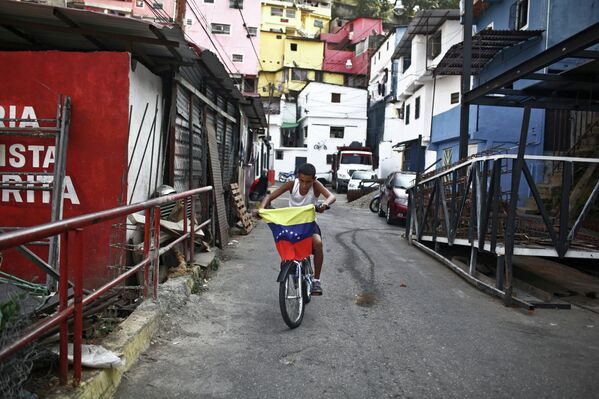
(185, 243)
(76, 245)
(192, 231)
(156, 253)
(146, 250)
(63, 298)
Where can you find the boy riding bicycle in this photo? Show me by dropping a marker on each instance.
(305, 190)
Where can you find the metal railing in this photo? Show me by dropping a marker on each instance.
(475, 203)
(70, 232)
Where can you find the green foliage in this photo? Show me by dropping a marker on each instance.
(374, 8)
(411, 6)
(8, 310)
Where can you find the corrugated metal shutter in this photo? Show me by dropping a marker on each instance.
(181, 150)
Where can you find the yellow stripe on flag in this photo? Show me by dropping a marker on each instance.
(289, 216)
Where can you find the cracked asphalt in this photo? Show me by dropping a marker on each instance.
(393, 323)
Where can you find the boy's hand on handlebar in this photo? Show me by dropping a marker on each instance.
(321, 208)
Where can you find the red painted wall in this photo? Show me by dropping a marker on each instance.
(98, 84)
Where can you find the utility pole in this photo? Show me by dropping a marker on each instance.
(466, 69)
(271, 89)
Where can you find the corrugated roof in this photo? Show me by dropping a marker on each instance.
(485, 45)
(27, 26)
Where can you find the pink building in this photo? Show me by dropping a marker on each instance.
(346, 51)
(157, 10)
(234, 27)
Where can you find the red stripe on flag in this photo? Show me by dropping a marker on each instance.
(297, 251)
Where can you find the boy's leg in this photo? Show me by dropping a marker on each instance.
(318, 255)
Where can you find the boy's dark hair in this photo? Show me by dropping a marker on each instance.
(307, 169)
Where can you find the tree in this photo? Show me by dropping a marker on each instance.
(375, 8)
(412, 6)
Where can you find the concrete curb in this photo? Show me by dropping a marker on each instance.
(133, 336)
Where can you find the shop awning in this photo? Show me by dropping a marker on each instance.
(289, 125)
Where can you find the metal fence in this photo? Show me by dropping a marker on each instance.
(481, 202)
(71, 250)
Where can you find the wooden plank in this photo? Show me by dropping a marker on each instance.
(217, 183)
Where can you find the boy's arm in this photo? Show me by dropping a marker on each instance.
(285, 187)
(319, 188)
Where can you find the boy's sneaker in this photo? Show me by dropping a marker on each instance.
(316, 288)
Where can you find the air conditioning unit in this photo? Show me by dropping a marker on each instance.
(348, 64)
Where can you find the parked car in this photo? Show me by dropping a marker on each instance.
(358, 176)
(394, 199)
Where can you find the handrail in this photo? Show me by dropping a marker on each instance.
(23, 236)
(70, 229)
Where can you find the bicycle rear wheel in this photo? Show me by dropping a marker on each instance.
(291, 299)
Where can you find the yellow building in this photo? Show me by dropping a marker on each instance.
(290, 54)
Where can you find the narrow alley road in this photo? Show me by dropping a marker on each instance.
(392, 323)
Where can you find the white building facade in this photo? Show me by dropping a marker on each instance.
(421, 95)
(329, 116)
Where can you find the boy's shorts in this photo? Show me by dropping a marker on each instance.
(317, 230)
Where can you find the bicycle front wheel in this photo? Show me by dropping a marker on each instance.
(291, 300)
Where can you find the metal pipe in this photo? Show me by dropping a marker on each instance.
(156, 252)
(192, 231)
(63, 298)
(23, 236)
(185, 245)
(147, 222)
(76, 257)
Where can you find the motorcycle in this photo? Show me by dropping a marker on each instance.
(286, 176)
(375, 203)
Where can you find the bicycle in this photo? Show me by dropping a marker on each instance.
(320, 145)
(295, 290)
(291, 227)
(286, 176)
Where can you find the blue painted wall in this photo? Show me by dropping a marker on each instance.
(564, 19)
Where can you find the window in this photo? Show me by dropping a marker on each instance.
(401, 111)
(209, 1)
(407, 114)
(279, 36)
(249, 85)
(252, 31)
(278, 154)
(407, 61)
(290, 13)
(157, 6)
(447, 155)
(293, 46)
(237, 58)
(387, 46)
(335, 97)
(318, 23)
(522, 14)
(417, 108)
(318, 76)
(299, 74)
(455, 97)
(276, 12)
(305, 132)
(337, 132)
(236, 4)
(330, 159)
(189, 22)
(434, 44)
(221, 28)
(139, 3)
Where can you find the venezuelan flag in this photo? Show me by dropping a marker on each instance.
(292, 229)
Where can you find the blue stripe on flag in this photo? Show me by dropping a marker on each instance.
(293, 233)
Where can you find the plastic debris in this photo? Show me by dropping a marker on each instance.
(95, 356)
